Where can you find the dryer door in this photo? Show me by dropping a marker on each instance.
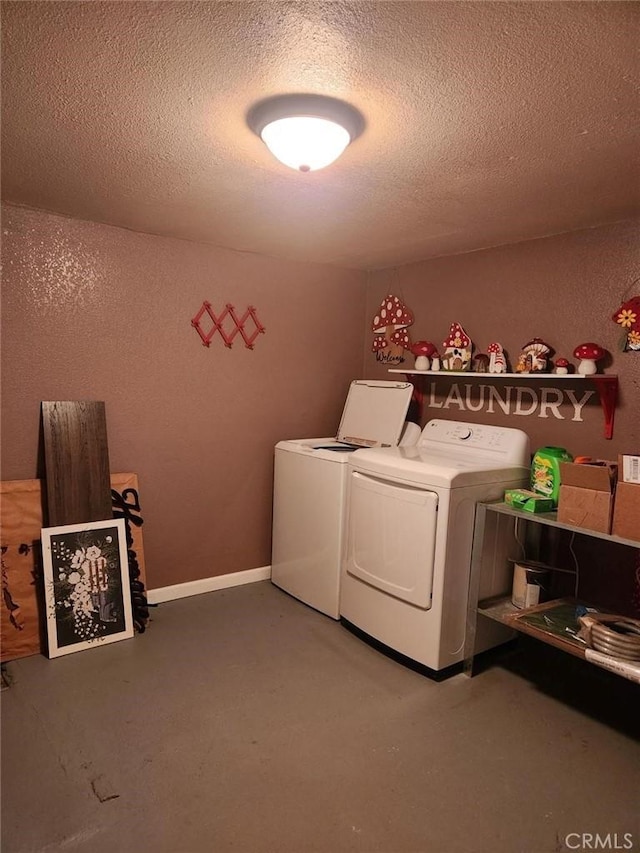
(391, 537)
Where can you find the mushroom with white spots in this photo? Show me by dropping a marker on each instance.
(628, 317)
(497, 358)
(588, 354)
(457, 349)
(390, 330)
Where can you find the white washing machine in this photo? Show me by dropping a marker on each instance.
(309, 491)
(409, 530)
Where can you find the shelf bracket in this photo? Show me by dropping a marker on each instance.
(607, 387)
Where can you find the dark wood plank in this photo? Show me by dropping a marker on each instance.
(76, 454)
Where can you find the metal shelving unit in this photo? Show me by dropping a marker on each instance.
(552, 622)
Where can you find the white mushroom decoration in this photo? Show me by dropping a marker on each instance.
(457, 349)
(562, 366)
(390, 329)
(423, 351)
(533, 358)
(497, 358)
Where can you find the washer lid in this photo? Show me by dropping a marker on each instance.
(374, 413)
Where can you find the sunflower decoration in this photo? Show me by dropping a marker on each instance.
(628, 317)
(633, 340)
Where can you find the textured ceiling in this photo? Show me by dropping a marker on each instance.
(487, 123)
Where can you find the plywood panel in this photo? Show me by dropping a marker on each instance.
(76, 462)
(21, 620)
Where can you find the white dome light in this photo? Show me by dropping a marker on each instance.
(305, 143)
(305, 132)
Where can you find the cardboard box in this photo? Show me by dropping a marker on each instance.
(626, 511)
(586, 494)
(626, 508)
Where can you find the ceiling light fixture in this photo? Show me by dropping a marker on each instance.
(305, 132)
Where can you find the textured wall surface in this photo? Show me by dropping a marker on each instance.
(99, 313)
(562, 289)
(94, 312)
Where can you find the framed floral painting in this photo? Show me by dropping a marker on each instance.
(86, 585)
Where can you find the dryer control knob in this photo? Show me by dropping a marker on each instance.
(465, 434)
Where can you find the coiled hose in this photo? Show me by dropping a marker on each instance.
(617, 636)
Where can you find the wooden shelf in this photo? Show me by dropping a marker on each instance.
(470, 374)
(606, 385)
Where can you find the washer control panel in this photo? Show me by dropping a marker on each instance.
(446, 436)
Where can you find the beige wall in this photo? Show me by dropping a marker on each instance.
(563, 289)
(93, 312)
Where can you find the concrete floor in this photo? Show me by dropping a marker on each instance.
(244, 721)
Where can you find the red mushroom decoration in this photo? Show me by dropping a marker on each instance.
(562, 366)
(423, 350)
(457, 349)
(588, 354)
(628, 316)
(390, 329)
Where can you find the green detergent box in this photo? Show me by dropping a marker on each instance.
(528, 501)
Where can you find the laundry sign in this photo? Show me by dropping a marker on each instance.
(542, 402)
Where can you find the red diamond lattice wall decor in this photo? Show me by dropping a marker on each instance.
(219, 324)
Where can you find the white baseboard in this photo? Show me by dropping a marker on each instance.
(184, 590)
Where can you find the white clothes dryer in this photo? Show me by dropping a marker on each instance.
(409, 530)
(309, 489)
